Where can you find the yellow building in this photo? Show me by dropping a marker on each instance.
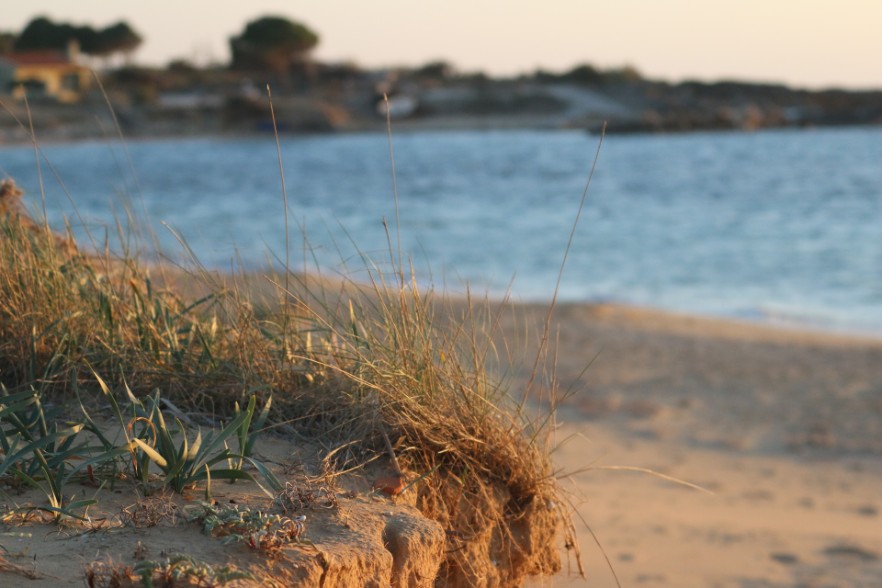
(51, 74)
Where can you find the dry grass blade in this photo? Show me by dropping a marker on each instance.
(654, 474)
(284, 206)
(543, 344)
(13, 568)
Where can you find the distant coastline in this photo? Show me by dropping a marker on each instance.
(221, 105)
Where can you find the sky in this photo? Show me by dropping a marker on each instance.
(806, 43)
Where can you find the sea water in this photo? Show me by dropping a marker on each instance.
(781, 226)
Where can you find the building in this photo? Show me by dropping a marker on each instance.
(45, 74)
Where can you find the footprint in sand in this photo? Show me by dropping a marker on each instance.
(784, 558)
(854, 552)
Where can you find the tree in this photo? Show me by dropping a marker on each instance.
(272, 43)
(583, 74)
(42, 33)
(117, 38)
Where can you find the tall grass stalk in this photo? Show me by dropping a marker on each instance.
(269, 95)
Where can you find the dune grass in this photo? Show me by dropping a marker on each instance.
(383, 369)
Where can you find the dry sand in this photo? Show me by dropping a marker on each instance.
(783, 427)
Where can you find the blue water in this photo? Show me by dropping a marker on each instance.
(781, 226)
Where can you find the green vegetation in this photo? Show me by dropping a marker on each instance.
(256, 529)
(184, 463)
(43, 450)
(38, 450)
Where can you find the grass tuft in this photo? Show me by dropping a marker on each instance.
(382, 369)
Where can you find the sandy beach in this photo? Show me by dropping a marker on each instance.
(781, 427)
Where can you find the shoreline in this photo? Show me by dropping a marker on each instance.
(745, 326)
(720, 383)
(658, 317)
(13, 137)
